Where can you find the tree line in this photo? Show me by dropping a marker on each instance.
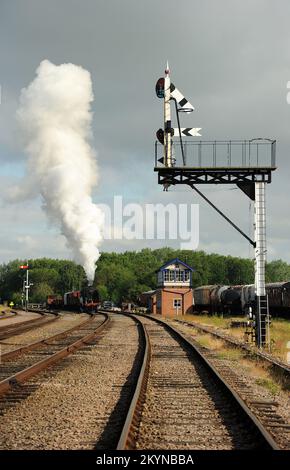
(123, 276)
(48, 276)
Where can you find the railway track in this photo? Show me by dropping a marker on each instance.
(19, 365)
(278, 366)
(182, 401)
(10, 314)
(26, 347)
(79, 403)
(17, 328)
(171, 398)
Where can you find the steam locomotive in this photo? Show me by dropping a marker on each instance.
(235, 299)
(85, 300)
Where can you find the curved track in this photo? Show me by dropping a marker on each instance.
(79, 403)
(283, 369)
(182, 402)
(19, 365)
(17, 328)
(43, 340)
(4, 315)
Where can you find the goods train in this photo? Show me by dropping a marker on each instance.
(85, 300)
(235, 299)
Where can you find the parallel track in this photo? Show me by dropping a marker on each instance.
(37, 344)
(20, 365)
(176, 378)
(11, 314)
(21, 327)
(277, 365)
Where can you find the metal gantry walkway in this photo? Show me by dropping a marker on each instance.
(213, 162)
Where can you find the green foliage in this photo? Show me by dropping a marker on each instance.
(103, 292)
(127, 274)
(277, 271)
(123, 276)
(40, 292)
(16, 298)
(47, 276)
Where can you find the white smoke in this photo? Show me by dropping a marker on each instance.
(55, 116)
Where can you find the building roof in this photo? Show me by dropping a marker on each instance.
(174, 261)
(149, 292)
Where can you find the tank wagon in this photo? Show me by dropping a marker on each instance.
(234, 300)
(248, 296)
(217, 294)
(217, 299)
(231, 300)
(278, 297)
(202, 297)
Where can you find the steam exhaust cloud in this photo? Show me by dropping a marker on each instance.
(55, 117)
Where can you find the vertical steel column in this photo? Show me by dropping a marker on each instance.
(167, 120)
(260, 260)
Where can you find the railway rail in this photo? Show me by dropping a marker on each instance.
(17, 328)
(19, 365)
(9, 314)
(42, 342)
(182, 400)
(43, 413)
(279, 366)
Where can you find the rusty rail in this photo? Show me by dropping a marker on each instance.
(283, 369)
(127, 437)
(20, 327)
(36, 344)
(23, 375)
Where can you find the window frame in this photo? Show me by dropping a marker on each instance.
(179, 299)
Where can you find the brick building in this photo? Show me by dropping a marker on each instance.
(173, 295)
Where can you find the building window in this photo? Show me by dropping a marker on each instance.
(166, 275)
(177, 303)
(180, 275)
(172, 275)
(176, 275)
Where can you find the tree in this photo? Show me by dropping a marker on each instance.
(103, 292)
(123, 276)
(40, 292)
(60, 275)
(277, 271)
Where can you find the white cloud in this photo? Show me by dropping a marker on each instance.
(217, 60)
(25, 234)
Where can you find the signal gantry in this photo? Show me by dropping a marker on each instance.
(245, 163)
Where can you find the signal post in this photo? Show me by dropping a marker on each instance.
(245, 163)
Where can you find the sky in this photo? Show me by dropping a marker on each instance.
(230, 58)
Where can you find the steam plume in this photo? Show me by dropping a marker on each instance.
(55, 117)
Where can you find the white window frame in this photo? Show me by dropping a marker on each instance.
(166, 275)
(179, 300)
